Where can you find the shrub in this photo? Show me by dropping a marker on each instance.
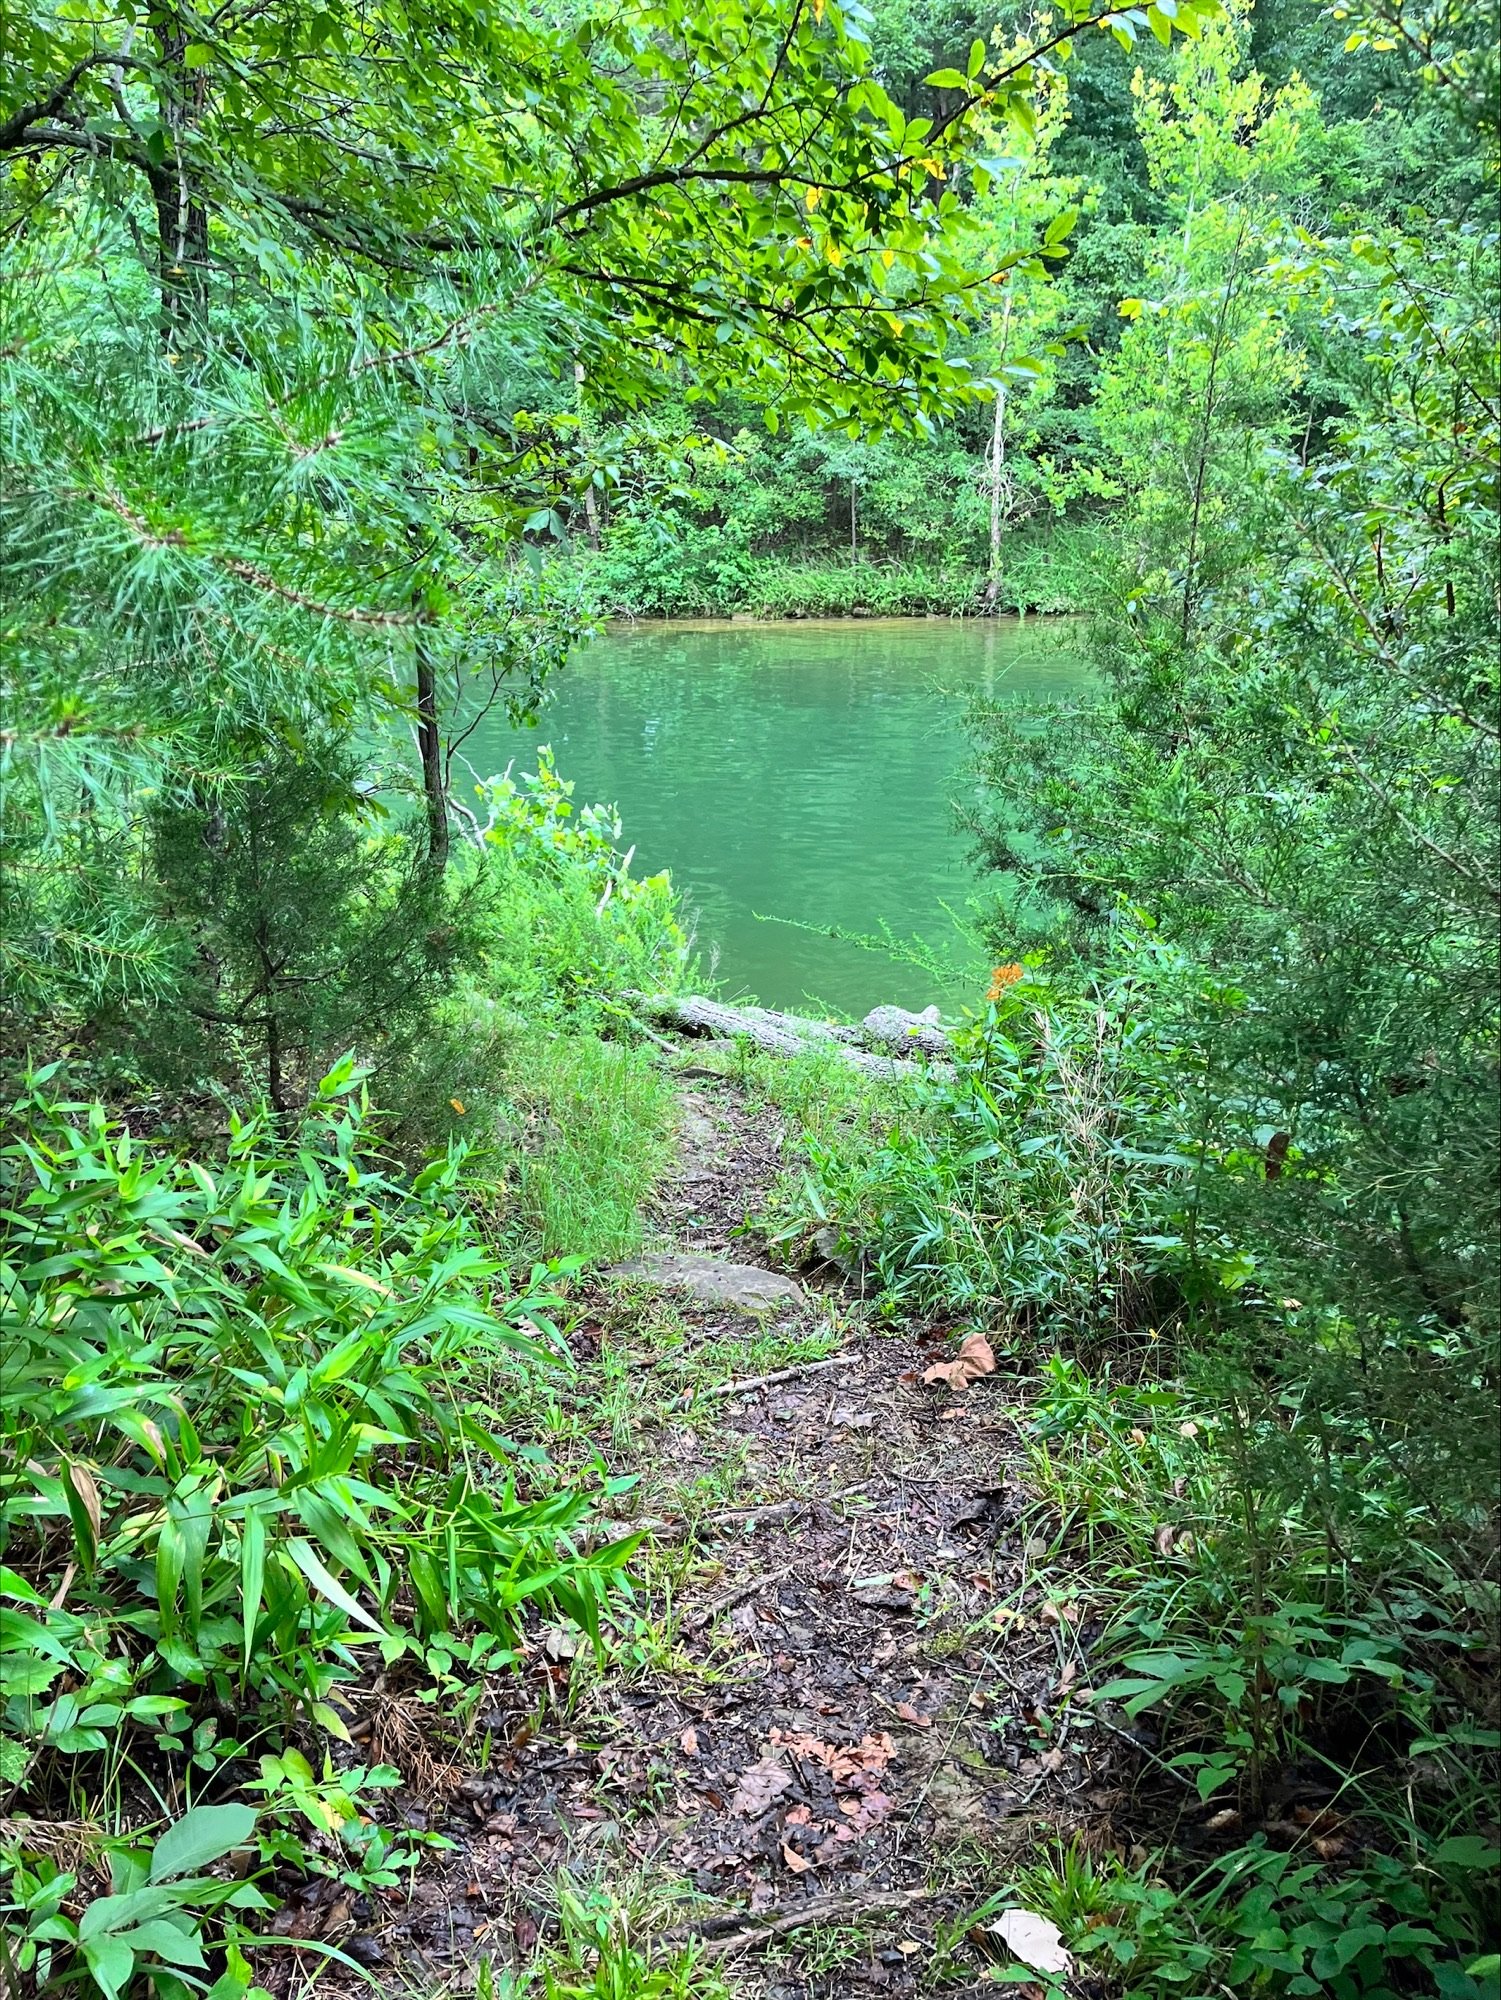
(1004, 1191)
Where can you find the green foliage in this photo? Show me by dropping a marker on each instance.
(252, 1410)
(149, 1923)
(601, 1951)
(300, 930)
(564, 926)
(1024, 1184)
(1263, 1922)
(591, 1129)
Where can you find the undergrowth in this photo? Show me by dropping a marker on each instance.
(252, 1410)
(1283, 1507)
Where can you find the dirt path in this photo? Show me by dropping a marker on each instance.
(841, 1708)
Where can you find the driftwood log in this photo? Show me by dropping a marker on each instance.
(889, 1028)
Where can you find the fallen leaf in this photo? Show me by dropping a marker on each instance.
(688, 1742)
(1164, 1540)
(799, 1816)
(1137, 1436)
(760, 1787)
(846, 1419)
(1052, 1760)
(974, 1359)
(1033, 1940)
(913, 1715)
(1188, 1430)
(855, 1769)
(561, 1642)
(795, 1861)
(906, 1946)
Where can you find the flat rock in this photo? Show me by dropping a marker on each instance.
(747, 1287)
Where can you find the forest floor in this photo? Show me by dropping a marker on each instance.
(843, 1706)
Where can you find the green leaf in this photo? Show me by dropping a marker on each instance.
(312, 1566)
(111, 1961)
(946, 79)
(1467, 1850)
(252, 1575)
(203, 1835)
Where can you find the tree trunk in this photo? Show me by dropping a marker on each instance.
(591, 506)
(430, 746)
(998, 473)
(854, 535)
(997, 481)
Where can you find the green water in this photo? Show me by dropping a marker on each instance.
(802, 771)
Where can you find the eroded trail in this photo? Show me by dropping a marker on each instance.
(840, 1708)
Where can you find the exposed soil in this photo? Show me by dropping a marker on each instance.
(841, 1705)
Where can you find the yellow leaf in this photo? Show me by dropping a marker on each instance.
(836, 255)
(888, 258)
(1130, 308)
(356, 1278)
(812, 197)
(457, 1104)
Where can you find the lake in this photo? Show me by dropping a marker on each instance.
(798, 779)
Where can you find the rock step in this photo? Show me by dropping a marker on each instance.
(710, 1280)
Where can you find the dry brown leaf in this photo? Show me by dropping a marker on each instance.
(1033, 1940)
(798, 1816)
(760, 1787)
(794, 1860)
(974, 1359)
(688, 1742)
(1163, 1539)
(856, 1768)
(913, 1715)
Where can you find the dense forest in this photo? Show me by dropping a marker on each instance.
(394, 1583)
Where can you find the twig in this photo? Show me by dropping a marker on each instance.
(1178, 1777)
(752, 1587)
(735, 1517)
(823, 1910)
(744, 1387)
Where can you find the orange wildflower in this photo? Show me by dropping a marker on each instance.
(1001, 978)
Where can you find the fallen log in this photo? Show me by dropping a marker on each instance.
(796, 1034)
